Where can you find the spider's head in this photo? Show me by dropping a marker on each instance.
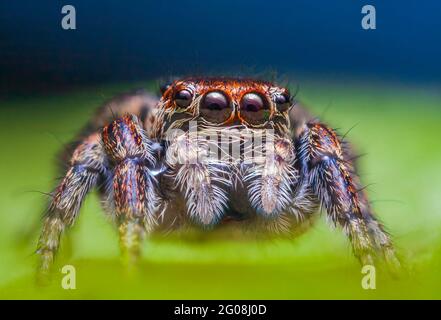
(227, 101)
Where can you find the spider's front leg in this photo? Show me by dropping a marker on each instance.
(202, 180)
(332, 177)
(88, 165)
(271, 176)
(134, 195)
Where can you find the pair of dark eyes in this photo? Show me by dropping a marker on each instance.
(215, 100)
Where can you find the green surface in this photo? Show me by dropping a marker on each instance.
(398, 128)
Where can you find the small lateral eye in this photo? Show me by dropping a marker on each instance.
(183, 98)
(283, 102)
(163, 88)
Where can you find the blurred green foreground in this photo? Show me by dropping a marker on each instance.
(397, 127)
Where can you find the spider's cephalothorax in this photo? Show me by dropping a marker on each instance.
(209, 152)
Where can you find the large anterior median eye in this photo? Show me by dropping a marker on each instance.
(254, 108)
(215, 107)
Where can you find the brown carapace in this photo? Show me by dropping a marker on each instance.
(213, 152)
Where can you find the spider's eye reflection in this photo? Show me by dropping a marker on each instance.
(215, 107)
(183, 98)
(254, 108)
(283, 102)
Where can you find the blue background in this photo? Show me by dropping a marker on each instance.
(133, 40)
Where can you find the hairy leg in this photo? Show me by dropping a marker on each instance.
(87, 165)
(333, 179)
(203, 181)
(270, 180)
(134, 193)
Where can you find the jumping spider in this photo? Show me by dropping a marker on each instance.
(144, 157)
